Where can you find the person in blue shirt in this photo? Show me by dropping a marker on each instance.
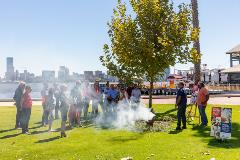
(181, 105)
(113, 97)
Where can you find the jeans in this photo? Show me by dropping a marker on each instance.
(181, 116)
(25, 117)
(18, 117)
(203, 114)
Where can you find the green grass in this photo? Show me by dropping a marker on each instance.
(91, 143)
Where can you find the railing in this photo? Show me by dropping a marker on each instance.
(225, 87)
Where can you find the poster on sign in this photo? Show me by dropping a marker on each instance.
(221, 127)
(216, 122)
(226, 123)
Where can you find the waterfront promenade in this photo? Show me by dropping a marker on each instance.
(215, 100)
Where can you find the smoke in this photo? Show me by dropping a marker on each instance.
(125, 116)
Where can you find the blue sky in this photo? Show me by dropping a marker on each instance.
(48, 33)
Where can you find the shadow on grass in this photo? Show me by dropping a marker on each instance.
(38, 132)
(36, 127)
(175, 131)
(234, 142)
(48, 140)
(123, 139)
(7, 130)
(10, 136)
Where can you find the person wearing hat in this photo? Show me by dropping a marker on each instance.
(26, 107)
(17, 98)
(181, 105)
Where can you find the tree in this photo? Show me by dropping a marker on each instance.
(196, 45)
(151, 39)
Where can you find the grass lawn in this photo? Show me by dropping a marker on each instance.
(91, 143)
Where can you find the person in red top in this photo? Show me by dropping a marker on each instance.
(26, 106)
(202, 99)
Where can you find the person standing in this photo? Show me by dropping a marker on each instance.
(202, 99)
(64, 109)
(57, 98)
(76, 104)
(129, 91)
(123, 96)
(96, 95)
(17, 98)
(44, 94)
(85, 98)
(181, 105)
(105, 105)
(50, 104)
(113, 97)
(26, 104)
(136, 95)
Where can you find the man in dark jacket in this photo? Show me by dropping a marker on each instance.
(17, 98)
(181, 105)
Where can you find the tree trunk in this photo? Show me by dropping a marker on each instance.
(150, 94)
(197, 65)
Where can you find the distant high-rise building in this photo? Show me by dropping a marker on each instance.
(10, 74)
(88, 75)
(99, 75)
(48, 76)
(63, 73)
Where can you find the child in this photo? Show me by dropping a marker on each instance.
(50, 104)
(26, 105)
(64, 109)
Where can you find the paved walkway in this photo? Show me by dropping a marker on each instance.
(213, 100)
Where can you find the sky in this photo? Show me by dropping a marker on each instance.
(42, 35)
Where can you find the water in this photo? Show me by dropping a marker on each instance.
(7, 89)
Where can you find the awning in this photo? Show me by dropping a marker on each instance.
(234, 69)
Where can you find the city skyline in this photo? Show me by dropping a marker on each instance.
(44, 37)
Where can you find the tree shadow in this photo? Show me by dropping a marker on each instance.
(7, 130)
(234, 142)
(48, 140)
(10, 136)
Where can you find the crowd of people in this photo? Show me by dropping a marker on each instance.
(74, 104)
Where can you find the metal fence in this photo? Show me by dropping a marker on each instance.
(225, 87)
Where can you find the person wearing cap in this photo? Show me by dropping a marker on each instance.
(202, 99)
(181, 105)
(64, 109)
(26, 107)
(17, 98)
